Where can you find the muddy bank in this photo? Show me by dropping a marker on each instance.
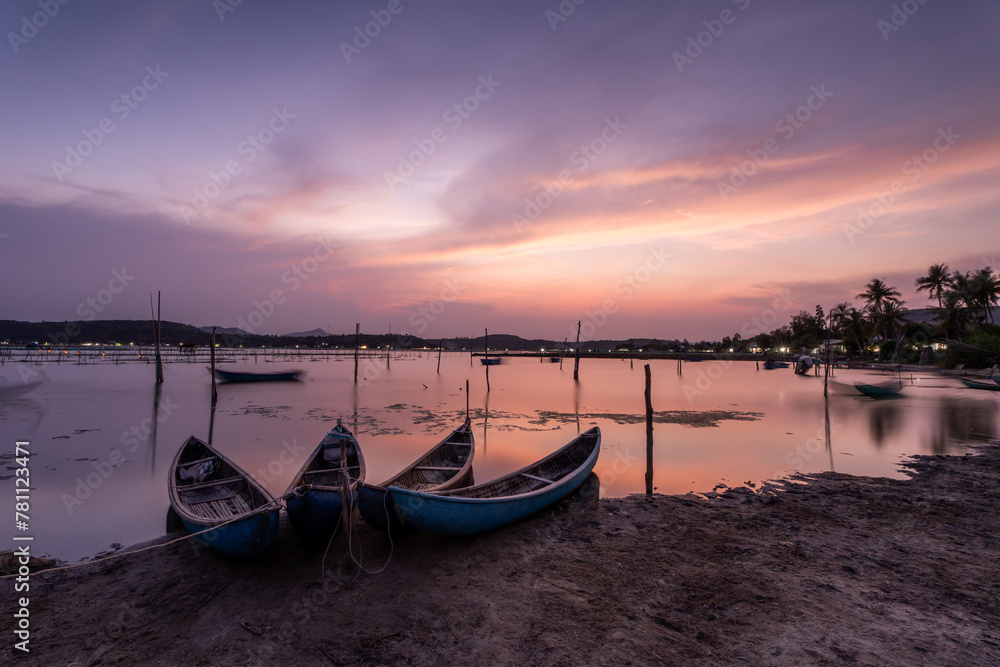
(836, 570)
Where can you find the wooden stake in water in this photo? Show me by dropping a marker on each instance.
(440, 345)
(215, 391)
(357, 346)
(486, 357)
(466, 398)
(576, 364)
(388, 348)
(649, 434)
(563, 353)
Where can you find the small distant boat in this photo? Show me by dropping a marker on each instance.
(208, 490)
(486, 507)
(448, 465)
(490, 361)
(771, 365)
(979, 384)
(880, 390)
(314, 500)
(244, 376)
(555, 360)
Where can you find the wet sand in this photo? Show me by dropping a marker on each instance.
(835, 570)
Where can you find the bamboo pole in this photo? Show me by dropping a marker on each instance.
(563, 353)
(440, 345)
(576, 364)
(486, 358)
(388, 348)
(649, 433)
(357, 345)
(215, 390)
(466, 398)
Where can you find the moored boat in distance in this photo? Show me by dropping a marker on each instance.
(447, 465)
(503, 501)
(771, 365)
(246, 376)
(220, 504)
(314, 500)
(980, 384)
(490, 361)
(880, 390)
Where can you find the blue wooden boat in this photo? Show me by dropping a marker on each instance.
(979, 384)
(771, 365)
(486, 507)
(448, 465)
(314, 500)
(245, 376)
(211, 493)
(880, 390)
(554, 360)
(491, 361)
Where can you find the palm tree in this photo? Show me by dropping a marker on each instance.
(878, 296)
(838, 317)
(935, 282)
(856, 327)
(985, 287)
(952, 318)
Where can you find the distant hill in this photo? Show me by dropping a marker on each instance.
(228, 331)
(318, 333)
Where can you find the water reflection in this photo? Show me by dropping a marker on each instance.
(885, 420)
(961, 420)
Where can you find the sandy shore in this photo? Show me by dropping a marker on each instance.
(838, 570)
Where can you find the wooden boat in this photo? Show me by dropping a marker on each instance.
(880, 390)
(448, 465)
(979, 384)
(314, 500)
(554, 360)
(490, 361)
(244, 376)
(207, 490)
(486, 507)
(771, 365)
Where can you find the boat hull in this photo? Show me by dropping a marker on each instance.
(876, 391)
(455, 516)
(977, 384)
(249, 537)
(378, 509)
(315, 512)
(236, 376)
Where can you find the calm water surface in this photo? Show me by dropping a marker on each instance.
(99, 472)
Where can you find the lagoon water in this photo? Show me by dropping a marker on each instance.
(99, 468)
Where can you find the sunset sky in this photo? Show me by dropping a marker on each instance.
(660, 169)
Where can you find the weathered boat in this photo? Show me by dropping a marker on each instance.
(219, 503)
(490, 361)
(979, 384)
(448, 465)
(771, 365)
(245, 376)
(880, 390)
(486, 507)
(314, 500)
